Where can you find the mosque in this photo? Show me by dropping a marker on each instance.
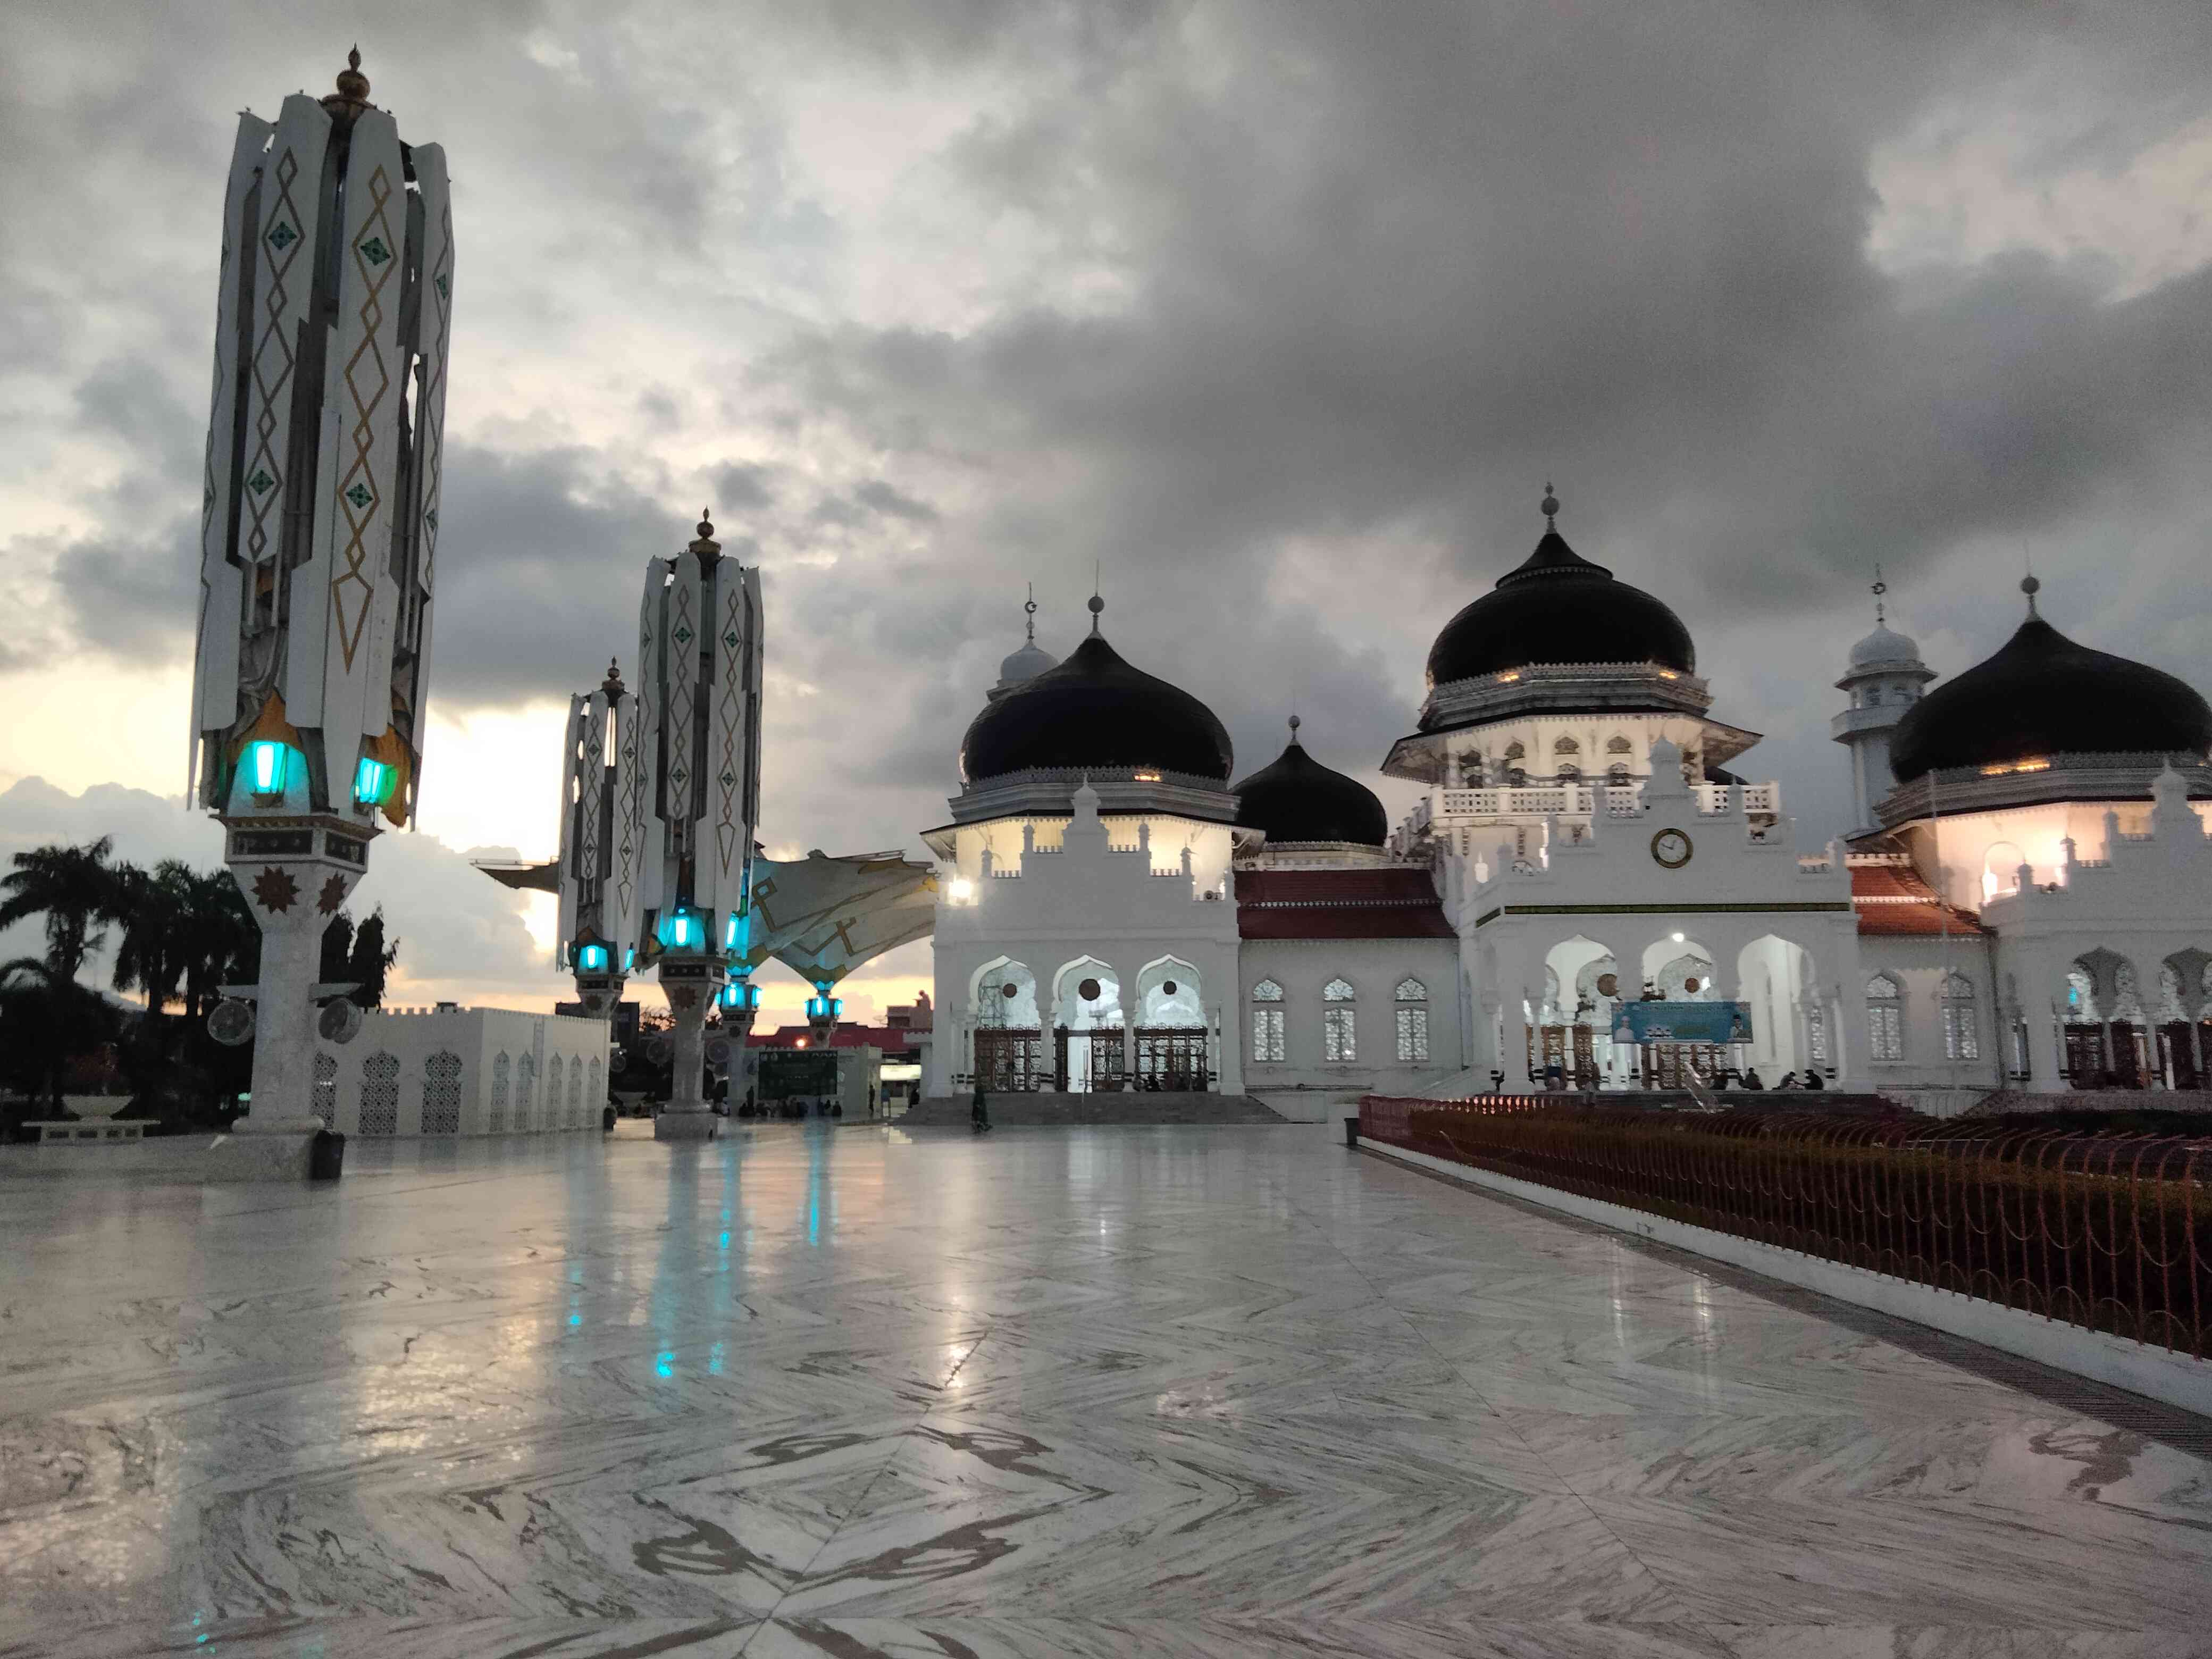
(1587, 894)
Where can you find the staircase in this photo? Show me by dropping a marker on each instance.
(1007, 1110)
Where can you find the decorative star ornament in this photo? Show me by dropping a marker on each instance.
(333, 895)
(275, 890)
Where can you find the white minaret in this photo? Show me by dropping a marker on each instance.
(318, 537)
(603, 851)
(1884, 680)
(696, 797)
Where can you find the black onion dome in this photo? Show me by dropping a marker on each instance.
(1558, 607)
(2041, 695)
(1296, 798)
(1094, 710)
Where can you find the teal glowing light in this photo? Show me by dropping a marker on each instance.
(372, 782)
(740, 993)
(266, 768)
(591, 959)
(629, 958)
(733, 933)
(824, 1007)
(683, 932)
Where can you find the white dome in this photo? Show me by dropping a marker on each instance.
(1885, 644)
(1025, 664)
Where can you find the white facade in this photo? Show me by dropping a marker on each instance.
(463, 1072)
(1116, 901)
(1678, 884)
(1400, 1001)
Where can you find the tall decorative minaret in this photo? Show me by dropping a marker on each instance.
(318, 534)
(602, 849)
(1884, 680)
(696, 799)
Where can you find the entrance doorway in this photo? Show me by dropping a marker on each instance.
(1172, 1058)
(1088, 1061)
(1010, 1060)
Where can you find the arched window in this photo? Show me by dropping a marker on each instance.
(1961, 1029)
(1616, 746)
(1514, 751)
(1617, 773)
(441, 1094)
(1413, 999)
(1569, 772)
(1340, 1030)
(1884, 1019)
(1267, 1022)
(525, 1091)
(379, 1095)
(1567, 746)
(1515, 777)
(502, 1085)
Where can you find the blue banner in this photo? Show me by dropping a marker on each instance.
(1682, 1021)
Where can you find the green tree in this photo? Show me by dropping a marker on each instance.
(75, 888)
(155, 912)
(369, 961)
(46, 1017)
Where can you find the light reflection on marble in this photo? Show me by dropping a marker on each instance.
(1175, 1390)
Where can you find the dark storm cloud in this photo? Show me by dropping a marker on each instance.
(1309, 301)
(542, 561)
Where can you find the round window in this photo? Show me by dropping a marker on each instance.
(1690, 985)
(1088, 990)
(1168, 987)
(1608, 985)
(1009, 992)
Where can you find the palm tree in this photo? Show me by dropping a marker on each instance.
(155, 911)
(221, 944)
(49, 1018)
(74, 888)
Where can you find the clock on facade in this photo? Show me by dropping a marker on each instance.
(1671, 848)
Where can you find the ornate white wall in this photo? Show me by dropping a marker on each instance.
(463, 1072)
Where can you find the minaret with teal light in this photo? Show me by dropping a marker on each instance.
(318, 537)
(694, 802)
(602, 859)
(1884, 680)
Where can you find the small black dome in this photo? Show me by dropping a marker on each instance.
(1558, 607)
(1297, 799)
(1095, 710)
(2043, 694)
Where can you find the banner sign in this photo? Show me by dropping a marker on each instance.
(1682, 1021)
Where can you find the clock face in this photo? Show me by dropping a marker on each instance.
(1671, 848)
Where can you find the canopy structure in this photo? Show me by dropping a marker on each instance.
(821, 917)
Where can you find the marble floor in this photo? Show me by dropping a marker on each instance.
(854, 1391)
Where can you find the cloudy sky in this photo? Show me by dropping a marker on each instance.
(1277, 315)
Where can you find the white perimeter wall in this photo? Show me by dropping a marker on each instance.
(464, 1071)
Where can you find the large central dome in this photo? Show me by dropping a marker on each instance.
(1095, 711)
(1558, 607)
(2042, 694)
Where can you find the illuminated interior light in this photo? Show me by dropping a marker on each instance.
(372, 782)
(591, 959)
(266, 768)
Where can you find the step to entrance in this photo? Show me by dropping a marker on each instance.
(946, 1111)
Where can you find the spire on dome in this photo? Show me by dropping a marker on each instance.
(2029, 586)
(1550, 508)
(1028, 606)
(1879, 588)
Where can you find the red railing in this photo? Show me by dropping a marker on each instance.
(2112, 1233)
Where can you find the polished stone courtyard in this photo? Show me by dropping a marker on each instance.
(1183, 1390)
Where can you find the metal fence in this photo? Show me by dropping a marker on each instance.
(2113, 1233)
